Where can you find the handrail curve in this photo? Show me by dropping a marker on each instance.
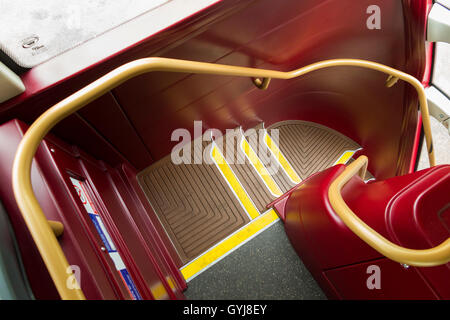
(33, 215)
(420, 258)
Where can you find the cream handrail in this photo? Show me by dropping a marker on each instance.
(33, 215)
(420, 258)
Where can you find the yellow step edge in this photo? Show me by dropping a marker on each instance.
(260, 168)
(233, 182)
(159, 291)
(281, 159)
(345, 157)
(229, 244)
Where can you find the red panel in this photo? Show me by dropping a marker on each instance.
(413, 215)
(417, 144)
(73, 69)
(139, 124)
(355, 102)
(323, 234)
(404, 209)
(395, 282)
(82, 245)
(121, 134)
(444, 215)
(75, 240)
(297, 33)
(55, 79)
(75, 130)
(147, 268)
(112, 138)
(414, 219)
(40, 281)
(148, 262)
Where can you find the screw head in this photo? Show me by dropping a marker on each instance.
(30, 41)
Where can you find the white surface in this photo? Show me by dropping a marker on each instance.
(60, 25)
(438, 26)
(441, 67)
(10, 84)
(113, 41)
(438, 104)
(441, 80)
(445, 3)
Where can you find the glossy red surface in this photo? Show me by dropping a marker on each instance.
(10, 136)
(406, 209)
(396, 282)
(130, 127)
(417, 145)
(429, 51)
(148, 261)
(147, 109)
(416, 219)
(421, 11)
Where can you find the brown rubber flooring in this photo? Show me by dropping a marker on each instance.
(309, 148)
(194, 204)
(246, 174)
(197, 207)
(256, 140)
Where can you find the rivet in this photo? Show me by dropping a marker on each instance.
(30, 41)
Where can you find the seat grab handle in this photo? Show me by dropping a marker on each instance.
(420, 258)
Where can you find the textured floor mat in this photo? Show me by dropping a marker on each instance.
(197, 205)
(194, 203)
(310, 147)
(256, 138)
(244, 170)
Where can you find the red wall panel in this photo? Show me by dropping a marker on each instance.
(351, 282)
(288, 35)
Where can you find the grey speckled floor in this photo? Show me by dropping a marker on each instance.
(266, 267)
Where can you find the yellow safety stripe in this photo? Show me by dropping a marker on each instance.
(234, 183)
(345, 157)
(159, 291)
(281, 159)
(227, 245)
(260, 168)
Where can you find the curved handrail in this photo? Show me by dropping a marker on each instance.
(419, 258)
(33, 215)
